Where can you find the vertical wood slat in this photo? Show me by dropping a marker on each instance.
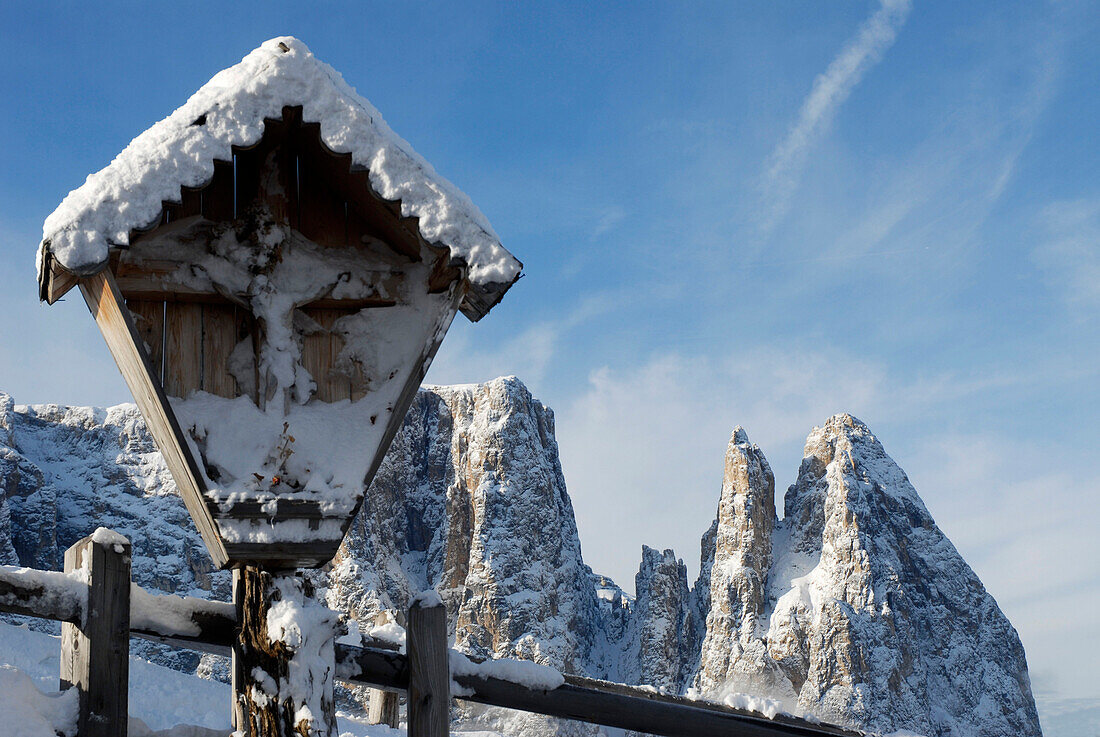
(183, 348)
(319, 353)
(383, 708)
(190, 204)
(429, 704)
(95, 655)
(322, 213)
(219, 337)
(149, 321)
(217, 197)
(117, 326)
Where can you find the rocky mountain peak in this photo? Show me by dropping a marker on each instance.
(873, 609)
(738, 553)
(854, 607)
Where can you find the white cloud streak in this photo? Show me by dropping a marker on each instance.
(1069, 252)
(828, 93)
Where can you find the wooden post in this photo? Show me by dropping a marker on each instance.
(283, 658)
(95, 654)
(383, 706)
(429, 703)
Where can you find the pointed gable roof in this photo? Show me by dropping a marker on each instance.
(230, 111)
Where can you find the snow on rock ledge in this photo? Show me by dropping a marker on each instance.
(228, 111)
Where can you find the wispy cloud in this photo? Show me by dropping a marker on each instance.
(829, 91)
(528, 353)
(1069, 251)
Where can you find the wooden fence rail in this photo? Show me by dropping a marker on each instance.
(424, 674)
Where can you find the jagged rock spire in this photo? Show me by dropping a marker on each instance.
(733, 653)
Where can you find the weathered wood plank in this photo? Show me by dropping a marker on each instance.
(182, 348)
(285, 508)
(217, 197)
(383, 706)
(322, 213)
(285, 555)
(153, 289)
(219, 338)
(319, 352)
(95, 654)
(190, 203)
(149, 321)
(114, 321)
(59, 281)
(637, 709)
(429, 704)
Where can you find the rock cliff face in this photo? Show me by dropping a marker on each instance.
(737, 556)
(858, 608)
(471, 501)
(854, 606)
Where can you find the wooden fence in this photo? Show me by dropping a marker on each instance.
(100, 609)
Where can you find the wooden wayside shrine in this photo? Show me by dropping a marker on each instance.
(171, 338)
(273, 322)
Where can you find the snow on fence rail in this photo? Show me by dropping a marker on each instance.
(90, 598)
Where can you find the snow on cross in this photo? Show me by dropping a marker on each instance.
(273, 269)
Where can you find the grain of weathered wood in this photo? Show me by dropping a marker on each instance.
(429, 704)
(143, 288)
(58, 281)
(95, 654)
(637, 709)
(261, 666)
(190, 204)
(149, 321)
(182, 348)
(319, 352)
(285, 555)
(383, 708)
(117, 327)
(151, 289)
(219, 338)
(384, 705)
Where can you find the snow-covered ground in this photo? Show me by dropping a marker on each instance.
(163, 702)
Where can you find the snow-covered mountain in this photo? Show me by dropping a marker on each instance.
(854, 607)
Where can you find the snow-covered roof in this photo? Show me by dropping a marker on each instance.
(128, 194)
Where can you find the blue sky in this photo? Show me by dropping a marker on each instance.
(730, 213)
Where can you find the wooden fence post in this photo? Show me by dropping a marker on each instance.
(429, 692)
(383, 706)
(95, 655)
